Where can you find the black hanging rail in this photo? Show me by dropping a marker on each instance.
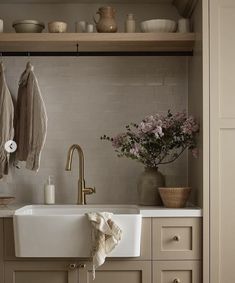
(94, 53)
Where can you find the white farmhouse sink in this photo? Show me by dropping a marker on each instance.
(64, 230)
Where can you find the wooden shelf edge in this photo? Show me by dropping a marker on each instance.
(97, 42)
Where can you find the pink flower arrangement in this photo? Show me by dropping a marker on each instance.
(158, 139)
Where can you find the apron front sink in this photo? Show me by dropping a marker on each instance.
(64, 230)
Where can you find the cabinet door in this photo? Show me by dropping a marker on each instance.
(40, 272)
(177, 272)
(118, 272)
(222, 141)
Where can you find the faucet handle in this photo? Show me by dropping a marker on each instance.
(89, 191)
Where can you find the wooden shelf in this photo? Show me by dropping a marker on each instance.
(166, 42)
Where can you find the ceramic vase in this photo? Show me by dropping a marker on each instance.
(107, 22)
(149, 182)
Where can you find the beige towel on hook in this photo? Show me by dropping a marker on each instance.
(6, 122)
(106, 235)
(31, 120)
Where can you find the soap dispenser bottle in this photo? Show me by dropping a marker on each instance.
(49, 191)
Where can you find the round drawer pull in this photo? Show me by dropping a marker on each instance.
(176, 280)
(72, 266)
(176, 238)
(82, 265)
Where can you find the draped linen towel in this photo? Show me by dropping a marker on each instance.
(105, 236)
(31, 120)
(6, 122)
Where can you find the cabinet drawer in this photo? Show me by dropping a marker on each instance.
(177, 271)
(176, 238)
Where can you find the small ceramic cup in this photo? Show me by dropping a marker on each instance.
(57, 27)
(90, 28)
(81, 26)
(183, 25)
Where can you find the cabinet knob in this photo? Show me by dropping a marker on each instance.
(72, 266)
(176, 238)
(82, 265)
(176, 280)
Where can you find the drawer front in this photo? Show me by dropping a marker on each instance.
(176, 238)
(177, 271)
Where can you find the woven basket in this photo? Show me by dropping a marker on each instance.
(174, 197)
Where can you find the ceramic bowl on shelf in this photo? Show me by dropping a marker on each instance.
(28, 26)
(158, 25)
(57, 27)
(5, 200)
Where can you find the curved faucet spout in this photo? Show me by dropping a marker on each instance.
(81, 160)
(82, 190)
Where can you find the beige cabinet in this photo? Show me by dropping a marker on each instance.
(176, 272)
(222, 140)
(40, 272)
(170, 250)
(118, 272)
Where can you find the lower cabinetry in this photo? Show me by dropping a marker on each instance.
(170, 253)
(111, 272)
(75, 272)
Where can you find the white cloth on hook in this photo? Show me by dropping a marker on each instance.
(105, 236)
(31, 120)
(6, 122)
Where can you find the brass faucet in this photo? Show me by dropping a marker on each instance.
(82, 190)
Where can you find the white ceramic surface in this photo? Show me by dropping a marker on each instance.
(28, 26)
(158, 25)
(64, 231)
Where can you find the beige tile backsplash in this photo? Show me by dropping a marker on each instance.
(86, 97)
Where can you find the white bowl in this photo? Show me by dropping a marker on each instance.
(158, 25)
(25, 26)
(57, 27)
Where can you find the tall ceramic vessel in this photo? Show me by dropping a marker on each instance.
(149, 182)
(107, 22)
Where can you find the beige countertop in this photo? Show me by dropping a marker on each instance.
(146, 211)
